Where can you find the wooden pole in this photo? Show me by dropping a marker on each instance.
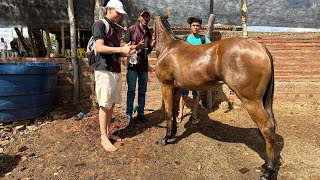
(79, 40)
(208, 35)
(48, 43)
(76, 85)
(97, 9)
(210, 26)
(34, 48)
(63, 42)
(244, 18)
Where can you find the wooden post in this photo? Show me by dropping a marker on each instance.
(63, 42)
(102, 12)
(76, 83)
(244, 18)
(34, 48)
(79, 40)
(210, 26)
(208, 35)
(97, 9)
(211, 6)
(48, 43)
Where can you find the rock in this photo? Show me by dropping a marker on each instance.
(22, 169)
(1, 150)
(244, 170)
(32, 155)
(32, 128)
(5, 142)
(22, 148)
(12, 139)
(57, 116)
(7, 129)
(20, 128)
(22, 122)
(23, 158)
(177, 162)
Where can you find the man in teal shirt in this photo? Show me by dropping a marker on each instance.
(196, 39)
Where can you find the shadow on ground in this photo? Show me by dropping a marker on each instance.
(213, 129)
(8, 163)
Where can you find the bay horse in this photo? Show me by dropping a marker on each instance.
(244, 65)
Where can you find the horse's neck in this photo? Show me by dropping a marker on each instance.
(164, 39)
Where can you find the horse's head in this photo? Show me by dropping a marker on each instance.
(157, 23)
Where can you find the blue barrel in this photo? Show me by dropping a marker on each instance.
(26, 90)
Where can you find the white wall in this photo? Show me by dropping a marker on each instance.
(9, 33)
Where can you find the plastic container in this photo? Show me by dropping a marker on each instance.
(26, 90)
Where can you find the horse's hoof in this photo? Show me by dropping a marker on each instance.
(263, 178)
(171, 139)
(267, 176)
(164, 142)
(269, 173)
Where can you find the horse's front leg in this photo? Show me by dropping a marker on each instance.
(175, 109)
(167, 93)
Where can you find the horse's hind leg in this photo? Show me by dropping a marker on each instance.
(266, 126)
(168, 93)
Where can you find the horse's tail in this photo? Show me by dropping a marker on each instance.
(268, 95)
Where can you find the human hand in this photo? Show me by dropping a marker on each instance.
(141, 45)
(128, 49)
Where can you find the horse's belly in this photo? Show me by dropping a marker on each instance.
(200, 85)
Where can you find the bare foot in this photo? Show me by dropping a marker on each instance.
(113, 137)
(108, 146)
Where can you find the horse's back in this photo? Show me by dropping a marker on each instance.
(241, 50)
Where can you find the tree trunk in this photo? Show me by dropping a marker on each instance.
(63, 42)
(208, 35)
(34, 49)
(244, 18)
(37, 43)
(76, 85)
(210, 26)
(97, 6)
(48, 43)
(21, 39)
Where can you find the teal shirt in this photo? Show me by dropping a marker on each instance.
(195, 40)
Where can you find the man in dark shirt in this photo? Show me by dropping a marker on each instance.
(137, 64)
(14, 48)
(107, 69)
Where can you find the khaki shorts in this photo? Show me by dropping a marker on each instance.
(108, 88)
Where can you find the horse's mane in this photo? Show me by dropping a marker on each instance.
(168, 27)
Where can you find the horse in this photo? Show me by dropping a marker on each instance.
(244, 65)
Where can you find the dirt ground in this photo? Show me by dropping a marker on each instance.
(222, 146)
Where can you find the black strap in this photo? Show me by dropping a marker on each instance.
(202, 38)
(185, 37)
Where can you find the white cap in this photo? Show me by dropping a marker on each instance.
(117, 5)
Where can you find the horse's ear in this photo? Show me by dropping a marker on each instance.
(167, 15)
(152, 16)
